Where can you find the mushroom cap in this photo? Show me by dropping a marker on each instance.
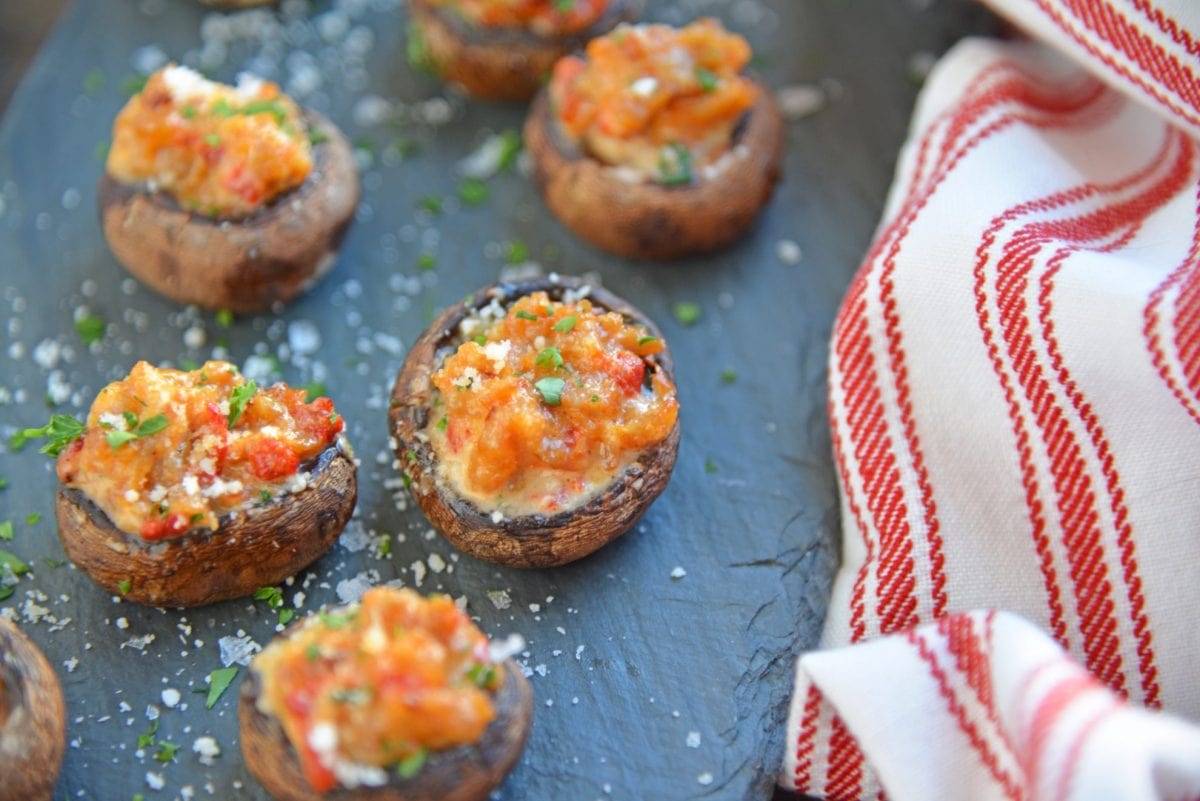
(500, 63)
(640, 219)
(254, 547)
(32, 735)
(464, 773)
(530, 540)
(243, 264)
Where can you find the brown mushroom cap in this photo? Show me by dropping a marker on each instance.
(529, 540)
(647, 220)
(465, 773)
(243, 264)
(500, 63)
(257, 547)
(32, 734)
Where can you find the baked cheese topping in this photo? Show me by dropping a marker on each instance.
(545, 403)
(164, 451)
(370, 689)
(659, 100)
(221, 151)
(543, 17)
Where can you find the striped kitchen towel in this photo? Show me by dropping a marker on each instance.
(1015, 406)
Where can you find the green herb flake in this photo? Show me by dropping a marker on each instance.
(595, 399)
(443, 423)
(427, 262)
(707, 79)
(549, 357)
(196, 518)
(674, 165)
(564, 6)
(272, 595)
(51, 562)
(411, 765)
(6, 531)
(480, 340)
(416, 51)
(565, 325)
(146, 428)
(166, 751)
(313, 652)
(510, 148)
(314, 390)
(132, 84)
(238, 400)
(187, 112)
(33, 517)
(524, 315)
(146, 740)
(385, 545)
(61, 431)
(91, 328)
(93, 82)
(481, 675)
(686, 312)
(264, 497)
(517, 253)
(100, 151)
(551, 390)
(272, 107)
(212, 139)
(646, 340)
(710, 466)
(431, 204)
(124, 586)
(286, 615)
(3, 482)
(317, 137)
(224, 318)
(472, 191)
(218, 682)
(728, 376)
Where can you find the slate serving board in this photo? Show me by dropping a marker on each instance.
(647, 685)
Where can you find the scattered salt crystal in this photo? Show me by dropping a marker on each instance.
(206, 748)
(693, 739)
(351, 590)
(237, 649)
(579, 652)
(499, 599)
(71, 198)
(372, 110)
(194, 337)
(71, 664)
(303, 336)
(678, 572)
(800, 100)
(418, 569)
(436, 563)
(788, 252)
(500, 650)
(355, 538)
(705, 778)
(155, 781)
(146, 60)
(170, 698)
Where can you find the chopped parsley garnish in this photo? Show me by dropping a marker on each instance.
(335, 620)
(93, 82)
(549, 357)
(218, 682)
(272, 107)
(551, 390)
(264, 496)
(675, 165)
(61, 431)
(431, 204)
(385, 545)
(517, 253)
(313, 652)
(314, 390)
(196, 518)
(481, 675)
(6, 531)
(510, 148)
(166, 751)
(90, 328)
(686, 312)
(33, 517)
(272, 595)
(212, 139)
(480, 340)
(238, 400)
(189, 364)
(317, 137)
(426, 262)
(224, 318)
(728, 376)
(222, 109)
(443, 423)
(124, 586)
(411, 765)
(3, 482)
(646, 340)
(51, 562)
(187, 112)
(595, 399)
(472, 191)
(417, 51)
(146, 740)
(524, 315)
(286, 615)
(706, 78)
(565, 325)
(710, 466)
(147, 427)
(133, 84)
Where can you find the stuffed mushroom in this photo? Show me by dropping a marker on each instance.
(228, 197)
(185, 488)
(536, 422)
(396, 698)
(32, 720)
(654, 144)
(504, 50)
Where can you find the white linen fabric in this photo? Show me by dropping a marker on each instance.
(1015, 405)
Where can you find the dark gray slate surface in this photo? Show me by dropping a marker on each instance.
(647, 686)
